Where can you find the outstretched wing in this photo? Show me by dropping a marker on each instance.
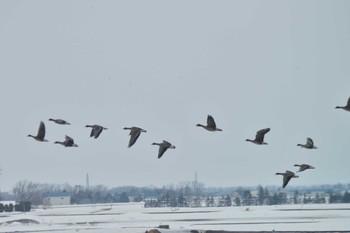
(303, 167)
(134, 135)
(211, 122)
(309, 142)
(348, 103)
(97, 130)
(286, 177)
(260, 135)
(161, 151)
(166, 144)
(92, 133)
(41, 131)
(69, 141)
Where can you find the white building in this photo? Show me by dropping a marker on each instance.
(56, 198)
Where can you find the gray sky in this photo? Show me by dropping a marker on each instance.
(164, 66)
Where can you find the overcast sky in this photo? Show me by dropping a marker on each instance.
(164, 66)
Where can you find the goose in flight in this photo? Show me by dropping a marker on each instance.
(259, 137)
(286, 177)
(309, 144)
(134, 134)
(303, 167)
(96, 130)
(59, 121)
(69, 142)
(41, 133)
(346, 107)
(163, 146)
(211, 126)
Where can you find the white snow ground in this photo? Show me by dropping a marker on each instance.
(133, 217)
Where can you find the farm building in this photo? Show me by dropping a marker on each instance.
(56, 198)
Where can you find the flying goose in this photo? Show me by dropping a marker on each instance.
(96, 130)
(259, 137)
(346, 107)
(69, 142)
(163, 146)
(134, 134)
(59, 121)
(41, 133)
(211, 126)
(286, 177)
(309, 144)
(303, 167)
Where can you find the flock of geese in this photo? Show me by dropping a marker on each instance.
(135, 132)
(288, 175)
(96, 130)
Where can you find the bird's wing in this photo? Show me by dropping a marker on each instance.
(97, 131)
(69, 140)
(302, 167)
(92, 130)
(132, 130)
(348, 103)
(134, 136)
(260, 134)
(286, 179)
(305, 166)
(211, 122)
(41, 131)
(290, 172)
(166, 144)
(309, 141)
(161, 151)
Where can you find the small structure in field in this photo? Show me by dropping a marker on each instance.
(56, 198)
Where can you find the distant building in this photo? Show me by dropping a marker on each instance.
(56, 198)
(8, 202)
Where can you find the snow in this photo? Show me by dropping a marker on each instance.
(133, 217)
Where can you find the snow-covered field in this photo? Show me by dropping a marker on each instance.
(133, 217)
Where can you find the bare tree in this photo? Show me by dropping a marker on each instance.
(25, 190)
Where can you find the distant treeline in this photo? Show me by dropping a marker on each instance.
(245, 198)
(184, 194)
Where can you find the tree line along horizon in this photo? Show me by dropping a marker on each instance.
(183, 194)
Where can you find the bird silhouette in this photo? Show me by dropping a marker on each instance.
(134, 134)
(303, 167)
(163, 146)
(211, 126)
(41, 133)
(346, 107)
(59, 121)
(259, 137)
(309, 144)
(96, 130)
(69, 142)
(286, 177)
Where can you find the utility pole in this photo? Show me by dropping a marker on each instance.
(196, 191)
(0, 175)
(87, 184)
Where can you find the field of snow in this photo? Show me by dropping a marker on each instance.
(133, 217)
